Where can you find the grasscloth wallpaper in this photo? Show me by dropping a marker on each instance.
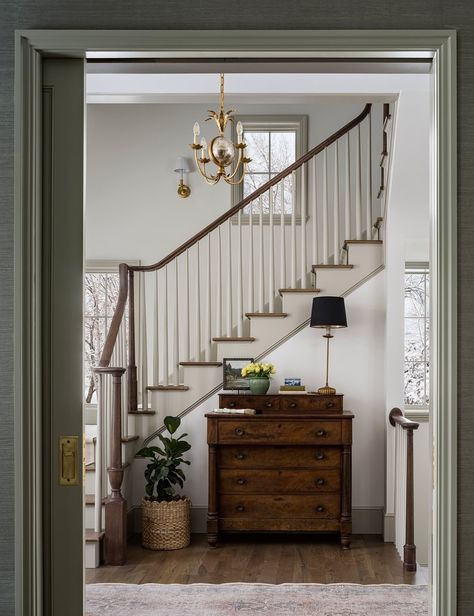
(245, 14)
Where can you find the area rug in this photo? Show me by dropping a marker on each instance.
(255, 599)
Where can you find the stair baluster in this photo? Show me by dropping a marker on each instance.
(347, 191)
(240, 296)
(325, 209)
(166, 325)
(261, 280)
(282, 236)
(303, 264)
(358, 195)
(294, 194)
(368, 212)
(314, 225)
(208, 333)
(337, 244)
(251, 303)
(271, 254)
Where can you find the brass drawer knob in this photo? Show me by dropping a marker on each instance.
(240, 508)
(293, 405)
(320, 456)
(239, 431)
(319, 481)
(319, 508)
(231, 405)
(329, 405)
(269, 404)
(240, 456)
(321, 433)
(241, 481)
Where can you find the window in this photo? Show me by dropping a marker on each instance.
(273, 143)
(417, 335)
(101, 288)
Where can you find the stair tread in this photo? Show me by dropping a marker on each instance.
(89, 499)
(304, 290)
(234, 339)
(140, 412)
(91, 535)
(363, 242)
(251, 315)
(91, 466)
(333, 266)
(167, 387)
(125, 439)
(200, 363)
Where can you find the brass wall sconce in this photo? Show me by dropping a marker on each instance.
(182, 167)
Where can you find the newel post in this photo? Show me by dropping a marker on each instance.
(115, 541)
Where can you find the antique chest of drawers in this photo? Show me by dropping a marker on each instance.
(286, 469)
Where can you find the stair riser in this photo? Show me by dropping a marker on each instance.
(92, 554)
(89, 516)
(128, 451)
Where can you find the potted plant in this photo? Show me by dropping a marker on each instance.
(166, 514)
(259, 376)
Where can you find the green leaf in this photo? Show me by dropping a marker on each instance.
(172, 423)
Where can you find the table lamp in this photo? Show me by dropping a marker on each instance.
(328, 312)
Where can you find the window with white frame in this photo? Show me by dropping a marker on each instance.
(417, 335)
(273, 143)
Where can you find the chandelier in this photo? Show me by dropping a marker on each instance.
(221, 151)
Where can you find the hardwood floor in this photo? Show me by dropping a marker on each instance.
(264, 558)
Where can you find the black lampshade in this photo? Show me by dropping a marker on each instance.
(328, 311)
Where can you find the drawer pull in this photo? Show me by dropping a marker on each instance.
(319, 481)
(320, 456)
(239, 431)
(240, 456)
(321, 433)
(241, 481)
(329, 405)
(319, 508)
(293, 405)
(269, 405)
(231, 405)
(240, 508)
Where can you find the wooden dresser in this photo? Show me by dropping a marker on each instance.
(287, 468)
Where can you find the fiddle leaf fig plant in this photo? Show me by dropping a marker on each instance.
(163, 472)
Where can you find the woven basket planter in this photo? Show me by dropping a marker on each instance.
(166, 525)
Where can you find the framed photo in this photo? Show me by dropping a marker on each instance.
(232, 377)
(293, 382)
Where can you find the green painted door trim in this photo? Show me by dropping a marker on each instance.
(30, 46)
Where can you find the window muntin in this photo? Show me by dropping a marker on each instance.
(417, 336)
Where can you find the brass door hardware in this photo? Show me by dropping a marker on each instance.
(69, 460)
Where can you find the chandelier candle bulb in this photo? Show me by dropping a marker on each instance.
(196, 132)
(240, 130)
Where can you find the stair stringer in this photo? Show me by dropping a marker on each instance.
(269, 333)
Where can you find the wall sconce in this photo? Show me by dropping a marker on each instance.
(182, 167)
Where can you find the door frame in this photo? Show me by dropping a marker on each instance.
(31, 47)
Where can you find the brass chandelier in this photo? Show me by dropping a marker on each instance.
(221, 151)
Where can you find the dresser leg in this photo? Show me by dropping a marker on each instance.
(346, 541)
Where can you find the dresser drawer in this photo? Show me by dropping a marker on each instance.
(260, 403)
(266, 456)
(281, 506)
(328, 404)
(233, 481)
(276, 431)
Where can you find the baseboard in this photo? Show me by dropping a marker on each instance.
(389, 527)
(365, 520)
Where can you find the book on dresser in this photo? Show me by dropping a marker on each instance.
(286, 469)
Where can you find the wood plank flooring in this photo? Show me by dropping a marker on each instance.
(266, 559)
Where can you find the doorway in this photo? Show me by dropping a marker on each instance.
(436, 265)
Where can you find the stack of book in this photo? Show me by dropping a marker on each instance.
(292, 389)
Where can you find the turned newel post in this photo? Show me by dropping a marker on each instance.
(132, 365)
(115, 541)
(409, 549)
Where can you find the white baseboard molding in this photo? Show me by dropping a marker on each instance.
(365, 520)
(389, 527)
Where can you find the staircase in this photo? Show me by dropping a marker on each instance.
(239, 288)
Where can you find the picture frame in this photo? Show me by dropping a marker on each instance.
(231, 377)
(293, 382)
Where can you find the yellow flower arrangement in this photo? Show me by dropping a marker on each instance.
(259, 370)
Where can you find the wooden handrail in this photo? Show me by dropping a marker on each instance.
(260, 191)
(397, 417)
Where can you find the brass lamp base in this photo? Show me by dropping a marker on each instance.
(327, 391)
